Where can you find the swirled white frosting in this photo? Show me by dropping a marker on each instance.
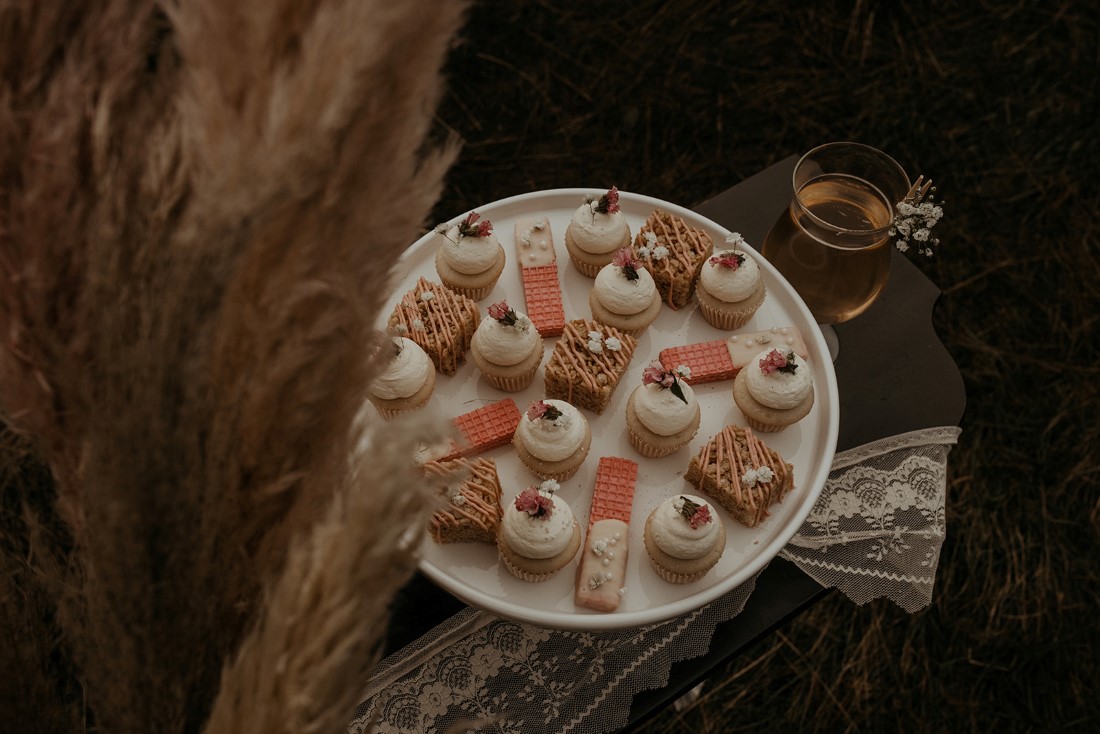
(554, 440)
(469, 255)
(673, 534)
(506, 345)
(662, 412)
(597, 233)
(780, 390)
(622, 296)
(405, 374)
(538, 537)
(729, 285)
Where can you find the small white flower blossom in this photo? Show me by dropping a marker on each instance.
(613, 343)
(660, 253)
(401, 329)
(684, 371)
(733, 239)
(458, 499)
(599, 547)
(526, 240)
(764, 474)
(549, 486)
(749, 478)
(426, 296)
(650, 238)
(540, 224)
(914, 219)
(418, 324)
(595, 335)
(643, 251)
(595, 346)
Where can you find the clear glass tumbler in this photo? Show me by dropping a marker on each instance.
(833, 242)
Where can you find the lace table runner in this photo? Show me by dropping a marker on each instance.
(875, 531)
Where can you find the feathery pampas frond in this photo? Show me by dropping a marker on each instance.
(325, 606)
(200, 205)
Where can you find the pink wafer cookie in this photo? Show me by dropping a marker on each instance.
(722, 359)
(601, 572)
(539, 271)
(708, 361)
(485, 428)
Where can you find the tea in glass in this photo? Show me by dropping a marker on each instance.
(832, 243)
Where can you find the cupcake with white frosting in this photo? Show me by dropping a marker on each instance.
(774, 390)
(730, 287)
(507, 348)
(662, 414)
(552, 439)
(684, 538)
(407, 381)
(538, 533)
(624, 295)
(595, 232)
(469, 259)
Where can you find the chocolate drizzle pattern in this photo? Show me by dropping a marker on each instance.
(721, 463)
(688, 249)
(477, 516)
(443, 325)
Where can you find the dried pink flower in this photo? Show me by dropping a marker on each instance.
(696, 514)
(470, 227)
(624, 258)
(534, 503)
(542, 409)
(731, 260)
(609, 202)
(776, 361)
(503, 313)
(656, 374)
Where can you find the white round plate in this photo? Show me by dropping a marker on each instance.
(472, 572)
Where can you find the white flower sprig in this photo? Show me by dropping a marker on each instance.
(915, 217)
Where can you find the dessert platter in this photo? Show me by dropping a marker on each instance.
(636, 435)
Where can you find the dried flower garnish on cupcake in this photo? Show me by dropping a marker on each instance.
(535, 503)
(542, 409)
(624, 259)
(506, 315)
(472, 226)
(777, 361)
(696, 514)
(914, 218)
(656, 374)
(729, 260)
(607, 203)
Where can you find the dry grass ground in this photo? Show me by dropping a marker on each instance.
(997, 101)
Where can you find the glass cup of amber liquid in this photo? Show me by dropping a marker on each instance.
(833, 242)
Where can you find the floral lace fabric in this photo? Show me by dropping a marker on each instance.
(875, 531)
(879, 524)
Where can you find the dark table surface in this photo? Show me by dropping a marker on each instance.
(894, 375)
